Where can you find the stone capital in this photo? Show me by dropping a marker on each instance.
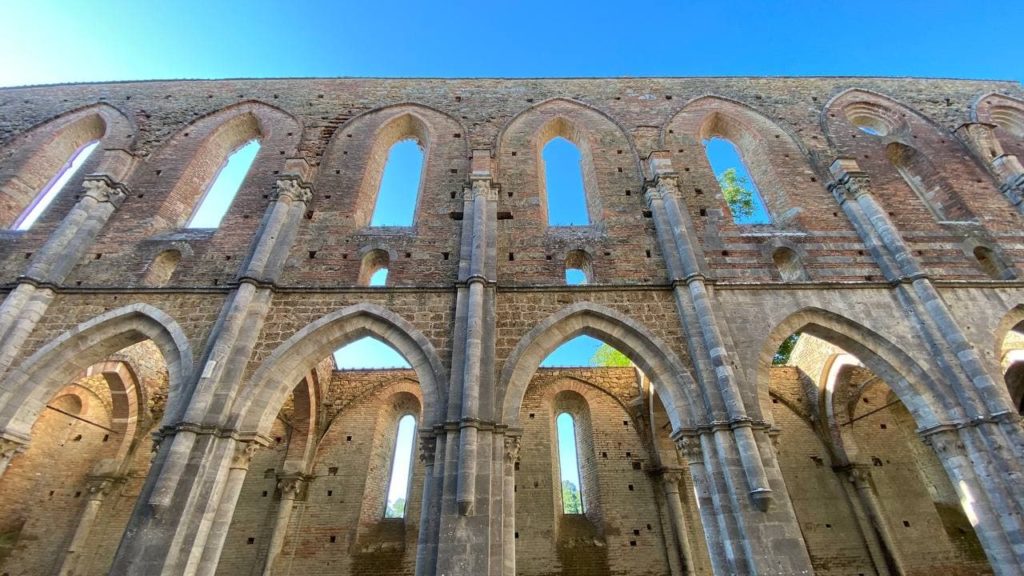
(8, 448)
(102, 189)
(291, 486)
(428, 446)
(672, 476)
(100, 487)
(689, 446)
(293, 190)
(483, 187)
(512, 445)
(244, 451)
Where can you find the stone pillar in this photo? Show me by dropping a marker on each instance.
(290, 487)
(508, 503)
(426, 543)
(98, 488)
(50, 265)
(713, 514)
(993, 456)
(237, 471)
(8, 450)
(670, 478)
(1007, 170)
(881, 545)
(198, 481)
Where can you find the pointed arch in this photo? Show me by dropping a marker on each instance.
(265, 392)
(671, 378)
(35, 158)
(857, 122)
(208, 142)
(769, 151)
(923, 396)
(25, 390)
(350, 164)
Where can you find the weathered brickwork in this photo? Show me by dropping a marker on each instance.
(169, 405)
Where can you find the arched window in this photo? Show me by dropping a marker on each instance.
(374, 269)
(399, 185)
(401, 468)
(563, 184)
(162, 267)
(989, 262)
(577, 268)
(50, 191)
(218, 197)
(738, 187)
(569, 466)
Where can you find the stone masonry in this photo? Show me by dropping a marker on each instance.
(169, 405)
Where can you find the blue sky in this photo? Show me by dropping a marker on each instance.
(47, 41)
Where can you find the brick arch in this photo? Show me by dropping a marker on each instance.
(771, 152)
(33, 159)
(395, 386)
(672, 380)
(907, 149)
(349, 164)
(588, 390)
(25, 390)
(923, 396)
(207, 143)
(1006, 112)
(264, 394)
(1011, 321)
(127, 396)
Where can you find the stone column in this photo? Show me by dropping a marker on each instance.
(1007, 170)
(290, 487)
(508, 503)
(859, 478)
(670, 478)
(713, 516)
(426, 543)
(8, 450)
(98, 488)
(50, 265)
(237, 471)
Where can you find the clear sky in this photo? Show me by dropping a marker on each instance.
(47, 41)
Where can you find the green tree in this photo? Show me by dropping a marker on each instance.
(396, 509)
(738, 193)
(571, 502)
(785, 349)
(605, 355)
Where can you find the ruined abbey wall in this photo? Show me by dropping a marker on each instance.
(893, 246)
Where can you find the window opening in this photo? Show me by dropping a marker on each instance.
(988, 262)
(214, 204)
(399, 185)
(379, 278)
(401, 465)
(368, 353)
(54, 186)
(578, 269)
(373, 270)
(738, 187)
(563, 182)
(788, 264)
(575, 277)
(569, 466)
(585, 351)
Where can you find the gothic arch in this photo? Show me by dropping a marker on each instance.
(25, 390)
(348, 164)
(767, 149)
(31, 160)
(207, 143)
(1006, 112)
(923, 396)
(264, 393)
(584, 116)
(672, 380)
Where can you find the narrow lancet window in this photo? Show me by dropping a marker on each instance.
(563, 181)
(738, 188)
(214, 204)
(399, 185)
(569, 465)
(54, 186)
(401, 463)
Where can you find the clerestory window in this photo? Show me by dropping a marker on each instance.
(738, 187)
(563, 179)
(399, 185)
(54, 186)
(218, 197)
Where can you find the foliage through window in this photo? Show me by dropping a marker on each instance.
(738, 188)
(569, 466)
